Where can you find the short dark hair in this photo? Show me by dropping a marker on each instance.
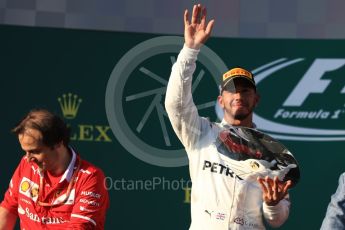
(52, 127)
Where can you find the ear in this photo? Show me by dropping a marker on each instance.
(220, 101)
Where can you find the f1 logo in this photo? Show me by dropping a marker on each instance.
(311, 82)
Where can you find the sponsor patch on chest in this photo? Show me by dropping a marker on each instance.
(29, 189)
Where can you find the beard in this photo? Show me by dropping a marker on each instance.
(240, 115)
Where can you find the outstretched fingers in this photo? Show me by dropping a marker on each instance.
(275, 188)
(262, 184)
(196, 13)
(186, 16)
(197, 30)
(209, 27)
(271, 191)
(203, 18)
(288, 185)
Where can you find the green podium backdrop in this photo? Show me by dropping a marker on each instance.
(110, 88)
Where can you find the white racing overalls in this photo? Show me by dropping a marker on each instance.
(220, 198)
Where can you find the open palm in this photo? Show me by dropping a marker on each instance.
(197, 31)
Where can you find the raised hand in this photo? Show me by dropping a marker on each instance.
(196, 32)
(273, 190)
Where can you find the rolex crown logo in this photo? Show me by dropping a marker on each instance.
(69, 105)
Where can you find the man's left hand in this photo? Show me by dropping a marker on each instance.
(273, 189)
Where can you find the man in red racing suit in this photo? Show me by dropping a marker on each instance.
(52, 188)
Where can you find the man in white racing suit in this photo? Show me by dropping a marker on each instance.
(221, 197)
